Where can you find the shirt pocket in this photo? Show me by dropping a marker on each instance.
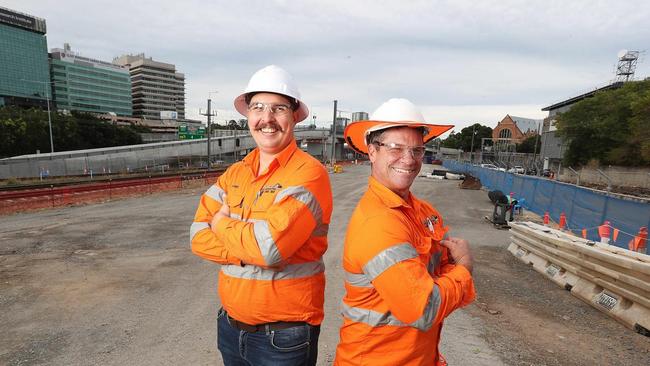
(439, 232)
(423, 246)
(263, 202)
(235, 202)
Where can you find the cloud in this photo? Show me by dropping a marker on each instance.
(461, 61)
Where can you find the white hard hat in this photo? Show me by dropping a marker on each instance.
(272, 79)
(395, 112)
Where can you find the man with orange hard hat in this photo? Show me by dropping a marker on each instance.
(403, 275)
(265, 221)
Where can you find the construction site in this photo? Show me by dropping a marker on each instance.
(106, 276)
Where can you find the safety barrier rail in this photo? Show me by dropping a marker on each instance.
(613, 280)
(23, 200)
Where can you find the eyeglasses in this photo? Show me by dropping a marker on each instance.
(276, 109)
(397, 150)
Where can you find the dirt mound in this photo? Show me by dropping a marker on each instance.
(470, 182)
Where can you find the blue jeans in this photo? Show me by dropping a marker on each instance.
(295, 346)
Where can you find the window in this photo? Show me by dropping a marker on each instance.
(505, 134)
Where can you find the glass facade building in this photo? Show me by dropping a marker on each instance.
(89, 85)
(24, 70)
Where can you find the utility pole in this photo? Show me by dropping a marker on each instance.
(471, 150)
(539, 128)
(333, 135)
(208, 114)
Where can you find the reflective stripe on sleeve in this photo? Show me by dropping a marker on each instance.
(357, 279)
(387, 258)
(251, 272)
(370, 317)
(216, 193)
(306, 197)
(196, 227)
(265, 242)
(376, 319)
(426, 320)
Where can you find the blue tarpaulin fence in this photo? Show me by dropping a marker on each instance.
(584, 208)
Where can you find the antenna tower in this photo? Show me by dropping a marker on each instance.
(626, 65)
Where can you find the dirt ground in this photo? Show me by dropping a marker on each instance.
(115, 284)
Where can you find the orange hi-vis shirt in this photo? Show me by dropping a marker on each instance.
(399, 283)
(271, 247)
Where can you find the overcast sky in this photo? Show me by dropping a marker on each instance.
(460, 61)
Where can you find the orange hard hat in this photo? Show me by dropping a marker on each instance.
(395, 112)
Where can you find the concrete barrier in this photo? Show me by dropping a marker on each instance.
(613, 280)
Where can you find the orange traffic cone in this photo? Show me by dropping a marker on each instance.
(562, 221)
(547, 218)
(604, 232)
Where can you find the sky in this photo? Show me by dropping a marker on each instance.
(461, 62)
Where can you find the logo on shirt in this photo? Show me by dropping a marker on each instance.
(270, 189)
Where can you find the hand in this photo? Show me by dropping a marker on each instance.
(459, 251)
(224, 211)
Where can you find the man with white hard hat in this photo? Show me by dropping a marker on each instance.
(403, 275)
(265, 221)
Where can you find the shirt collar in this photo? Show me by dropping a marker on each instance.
(386, 196)
(253, 159)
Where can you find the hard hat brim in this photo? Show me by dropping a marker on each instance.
(355, 133)
(242, 107)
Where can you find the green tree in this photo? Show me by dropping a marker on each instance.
(610, 127)
(463, 139)
(24, 131)
(528, 145)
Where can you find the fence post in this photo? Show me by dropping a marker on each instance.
(110, 195)
(149, 184)
(52, 194)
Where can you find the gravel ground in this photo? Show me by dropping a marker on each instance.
(115, 284)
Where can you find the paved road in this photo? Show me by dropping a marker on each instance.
(115, 284)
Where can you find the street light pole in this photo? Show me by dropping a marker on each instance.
(471, 150)
(47, 100)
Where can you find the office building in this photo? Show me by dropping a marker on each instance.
(89, 85)
(158, 91)
(24, 71)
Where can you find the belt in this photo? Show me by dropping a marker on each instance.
(267, 327)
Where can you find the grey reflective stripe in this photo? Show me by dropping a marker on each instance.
(196, 227)
(216, 193)
(434, 262)
(265, 242)
(387, 258)
(321, 230)
(357, 279)
(291, 271)
(375, 319)
(370, 317)
(426, 320)
(303, 195)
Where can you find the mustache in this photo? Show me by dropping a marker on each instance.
(268, 124)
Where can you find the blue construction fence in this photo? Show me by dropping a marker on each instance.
(585, 209)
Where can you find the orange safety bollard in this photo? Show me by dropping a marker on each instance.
(547, 218)
(604, 231)
(562, 221)
(639, 243)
